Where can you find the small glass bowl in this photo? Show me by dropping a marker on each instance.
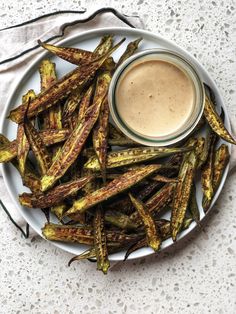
(187, 68)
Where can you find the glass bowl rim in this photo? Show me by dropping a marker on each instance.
(147, 140)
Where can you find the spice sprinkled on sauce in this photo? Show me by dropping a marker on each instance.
(155, 98)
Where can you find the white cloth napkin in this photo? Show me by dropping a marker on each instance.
(16, 40)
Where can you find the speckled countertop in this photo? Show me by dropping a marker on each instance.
(197, 276)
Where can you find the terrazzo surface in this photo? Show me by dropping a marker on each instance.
(196, 276)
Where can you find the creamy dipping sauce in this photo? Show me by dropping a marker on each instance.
(155, 98)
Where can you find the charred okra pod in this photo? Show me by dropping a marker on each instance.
(221, 159)
(55, 196)
(85, 102)
(38, 147)
(207, 176)
(152, 233)
(73, 146)
(182, 193)
(113, 188)
(193, 206)
(130, 50)
(132, 156)
(165, 232)
(21, 139)
(215, 121)
(76, 55)
(62, 88)
(49, 137)
(100, 242)
(100, 132)
(84, 235)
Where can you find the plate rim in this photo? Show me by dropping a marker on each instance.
(80, 36)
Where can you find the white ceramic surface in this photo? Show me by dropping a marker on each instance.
(30, 79)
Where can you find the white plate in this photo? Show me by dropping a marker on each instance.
(88, 40)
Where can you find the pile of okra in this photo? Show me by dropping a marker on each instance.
(107, 191)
